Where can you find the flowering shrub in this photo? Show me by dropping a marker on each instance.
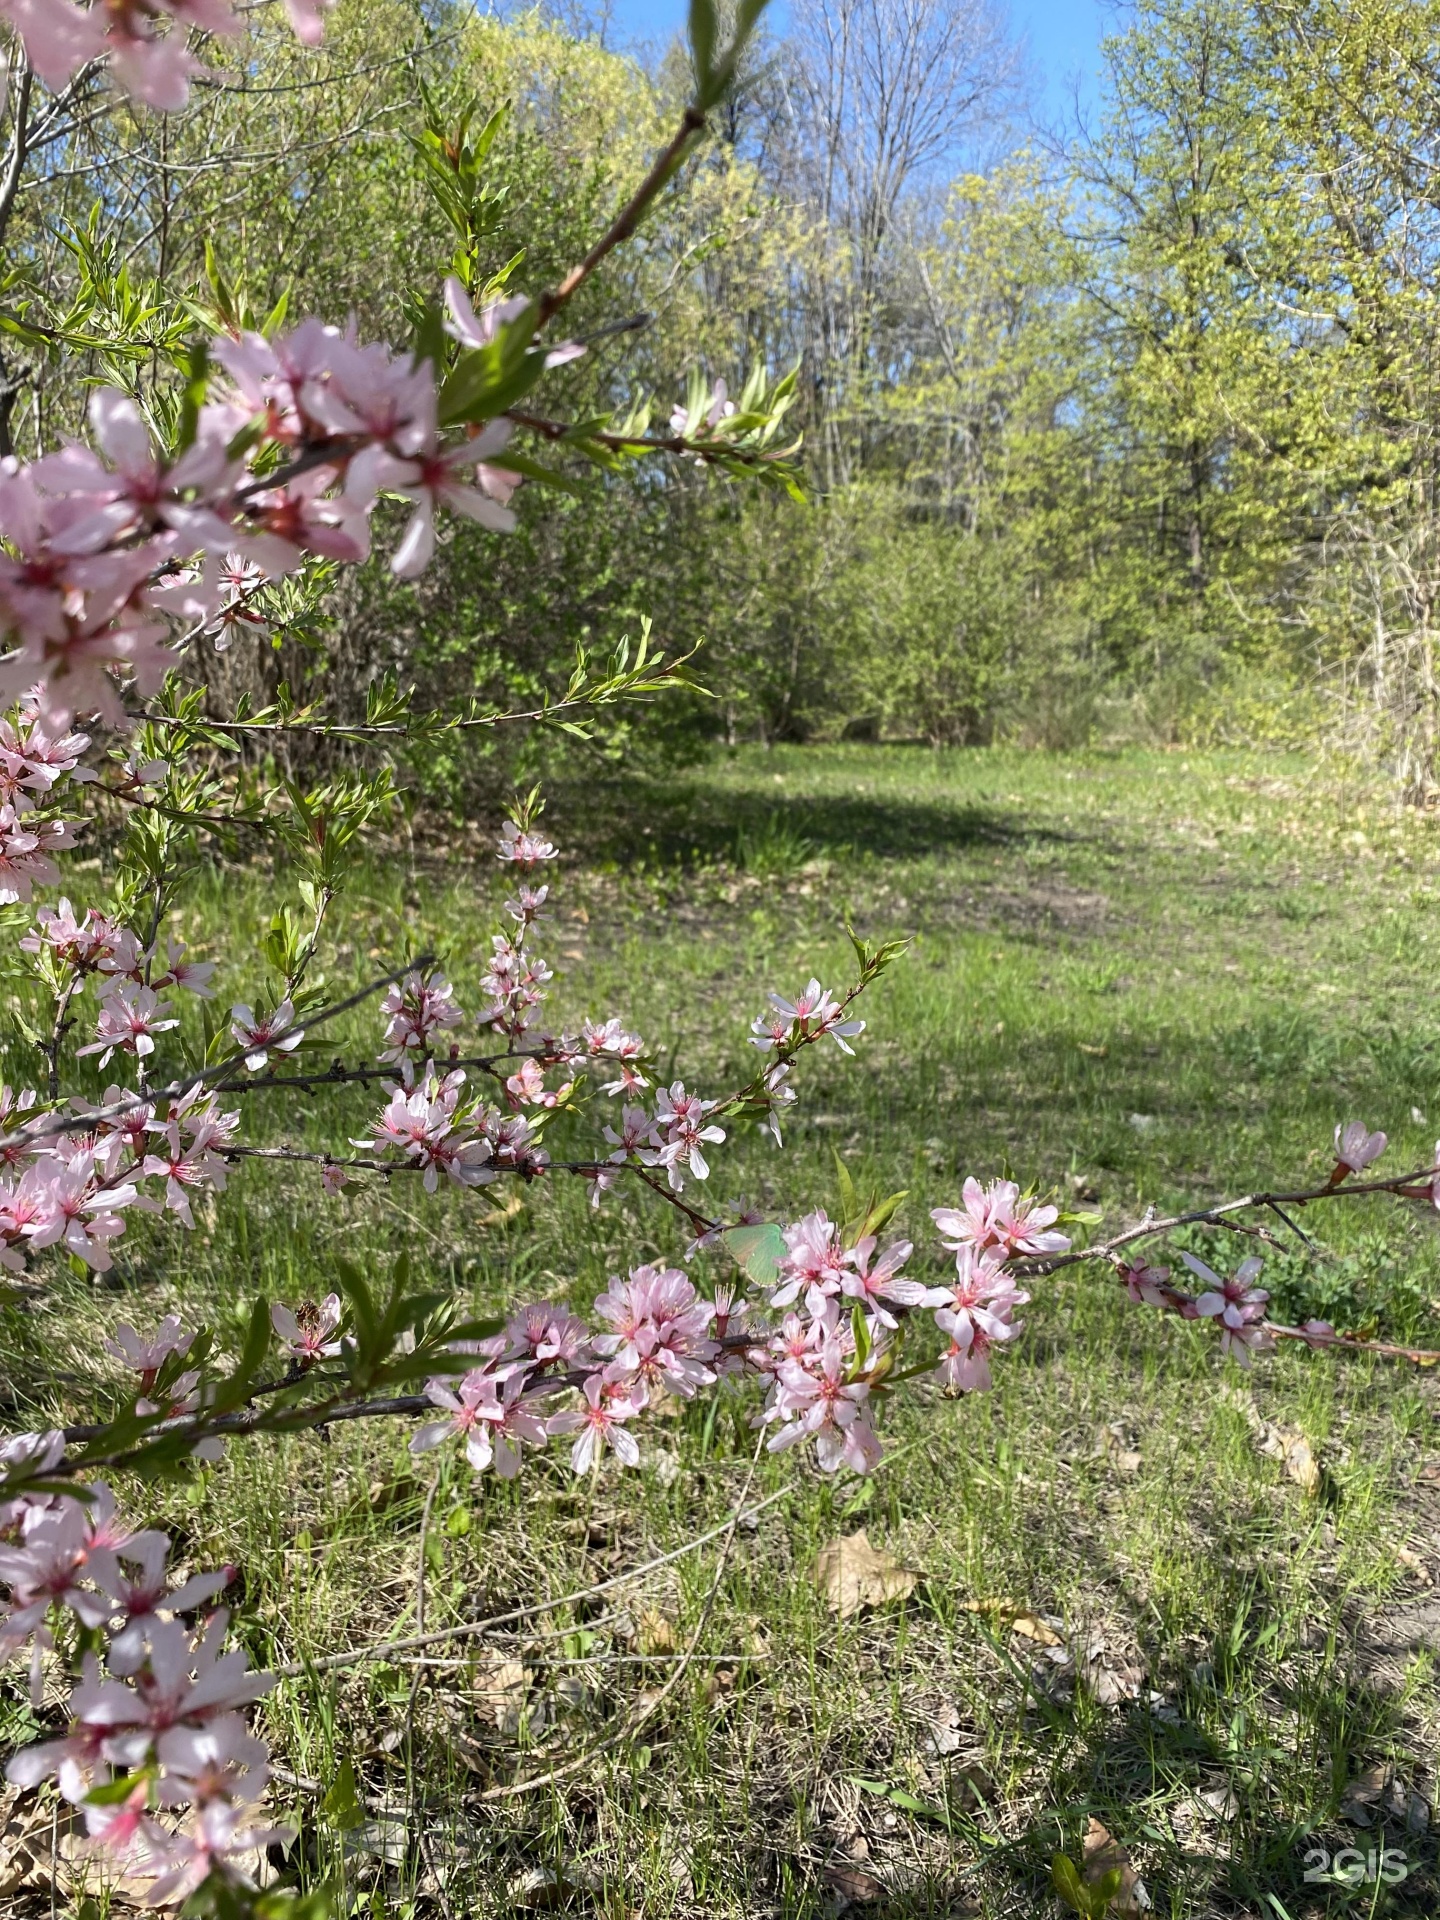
(263, 461)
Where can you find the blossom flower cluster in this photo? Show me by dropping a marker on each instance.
(157, 1756)
(127, 1152)
(33, 761)
(144, 42)
(107, 544)
(823, 1360)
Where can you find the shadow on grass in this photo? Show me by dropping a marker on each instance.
(678, 823)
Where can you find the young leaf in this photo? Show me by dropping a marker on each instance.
(341, 1805)
(1067, 1882)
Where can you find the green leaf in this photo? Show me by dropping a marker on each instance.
(702, 42)
(341, 1805)
(757, 1251)
(1106, 1887)
(849, 1208)
(882, 1213)
(860, 1328)
(1065, 1876)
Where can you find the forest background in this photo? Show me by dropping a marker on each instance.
(1123, 432)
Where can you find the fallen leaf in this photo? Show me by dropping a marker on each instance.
(1409, 1558)
(1221, 1801)
(385, 1839)
(942, 1736)
(500, 1687)
(971, 1786)
(1288, 1445)
(1298, 1459)
(1115, 1445)
(853, 1885)
(656, 1634)
(1102, 1853)
(1032, 1626)
(852, 1575)
(1110, 1676)
(1362, 1795)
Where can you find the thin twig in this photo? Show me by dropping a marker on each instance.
(48, 1128)
(629, 216)
(1408, 1186)
(657, 1700)
(382, 1649)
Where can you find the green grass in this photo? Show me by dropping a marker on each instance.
(1149, 978)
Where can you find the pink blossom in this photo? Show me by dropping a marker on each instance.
(465, 1419)
(523, 846)
(333, 1178)
(215, 1844)
(305, 1330)
(635, 1125)
(815, 1262)
(999, 1218)
(1236, 1304)
(774, 1096)
(417, 1008)
(23, 859)
(679, 1133)
(182, 1167)
(146, 1357)
(307, 19)
(512, 1141)
(142, 1595)
(659, 1329)
(177, 1683)
(599, 1424)
(810, 1013)
(137, 488)
(873, 1281)
(1355, 1148)
(124, 1830)
(66, 1207)
(816, 1402)
(1146, 1285)
(426, 1126)
(218, 1761)
(258, 1039)
(432, 479)
(59, 38)
(525, 907)
(130, 1017)
(542, 1333)
(1319, 1333)
(965, 1365)
(191, 976)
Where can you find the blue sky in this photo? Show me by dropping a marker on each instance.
(1063, 36)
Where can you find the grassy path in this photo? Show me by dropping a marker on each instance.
(1132, 980)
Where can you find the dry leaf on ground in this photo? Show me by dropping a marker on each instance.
(1104, 1853)
(1110, 1675)
(1041, 1628)
(1408, 1557)
(853, 1885)
(851, 1575)
(656, 1633)
(1288, 1445)
(500, 1690)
